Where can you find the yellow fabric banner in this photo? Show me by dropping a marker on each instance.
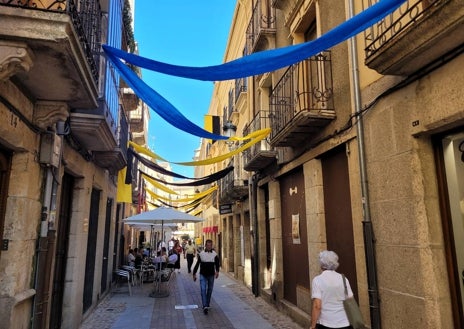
(158, 185)
(252, 138)
(151, 206)
(197, 196)
(124, 191)
(213, 125)
(196, 212)
(143, 150)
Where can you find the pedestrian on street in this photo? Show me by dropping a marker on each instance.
(177, 249)
(328, 295)
(208, 261)
(190, 252)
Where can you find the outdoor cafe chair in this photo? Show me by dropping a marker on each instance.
(126, 275)
(133, 273)
(146, 271)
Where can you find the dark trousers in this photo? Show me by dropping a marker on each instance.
(190, 262)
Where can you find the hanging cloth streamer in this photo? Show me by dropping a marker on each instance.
(251, 139)
(269, 60)
(158, 185)
(155, 166)
(191, 204)
(198, 182)
(197, 196)
(159, 104)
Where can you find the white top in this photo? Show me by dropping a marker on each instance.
(161, 244)
(170, 244)
(328, 287)
(131, 259)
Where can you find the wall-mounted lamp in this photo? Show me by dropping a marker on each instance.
(229, 131)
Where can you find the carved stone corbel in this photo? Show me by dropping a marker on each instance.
(14, 57)
(48, 113)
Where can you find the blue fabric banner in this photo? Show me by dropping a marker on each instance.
(269, 60)
(257, 63)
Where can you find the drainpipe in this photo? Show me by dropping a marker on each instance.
(368, 233)
(254, 234)
(45, 245)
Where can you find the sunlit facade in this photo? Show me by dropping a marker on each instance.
(364, 158)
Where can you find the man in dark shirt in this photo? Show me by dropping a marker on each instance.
(208, 261)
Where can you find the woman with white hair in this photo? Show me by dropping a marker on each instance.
(327, 294)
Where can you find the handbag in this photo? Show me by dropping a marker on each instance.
(352, 310)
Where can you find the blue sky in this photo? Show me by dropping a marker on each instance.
(192, 33)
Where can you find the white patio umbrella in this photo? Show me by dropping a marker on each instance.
(162, 215)
(146, 226)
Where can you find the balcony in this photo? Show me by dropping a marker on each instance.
(261, 154)
(52, 49)
(261, 29)
(138, 121)
(415, 35)
(97, 131)
(116, 158)
(233, 187)
(301, 103)
(240, 91)
(129, 99)
(137, 118)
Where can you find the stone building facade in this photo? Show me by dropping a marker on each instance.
(64, 129)
(364, 158)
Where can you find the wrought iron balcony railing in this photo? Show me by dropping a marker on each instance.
(115, 159)
(301, 103)
(231, 103)
(261, 154)
(395, 23)
(86, 18)
(413, 36)
(262, 24)
(123, 132)
(240, 87)
(233, 186)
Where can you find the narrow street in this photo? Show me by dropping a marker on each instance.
(233, 306)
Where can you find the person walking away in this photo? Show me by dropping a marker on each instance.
(328, 293)
(190, 252)
(177, 249)
(208, 262)
(183, 244)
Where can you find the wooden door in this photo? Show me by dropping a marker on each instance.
(337, 207)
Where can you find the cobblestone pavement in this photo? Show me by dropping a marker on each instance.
(233, 306)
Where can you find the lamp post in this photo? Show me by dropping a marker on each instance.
(229, 131)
